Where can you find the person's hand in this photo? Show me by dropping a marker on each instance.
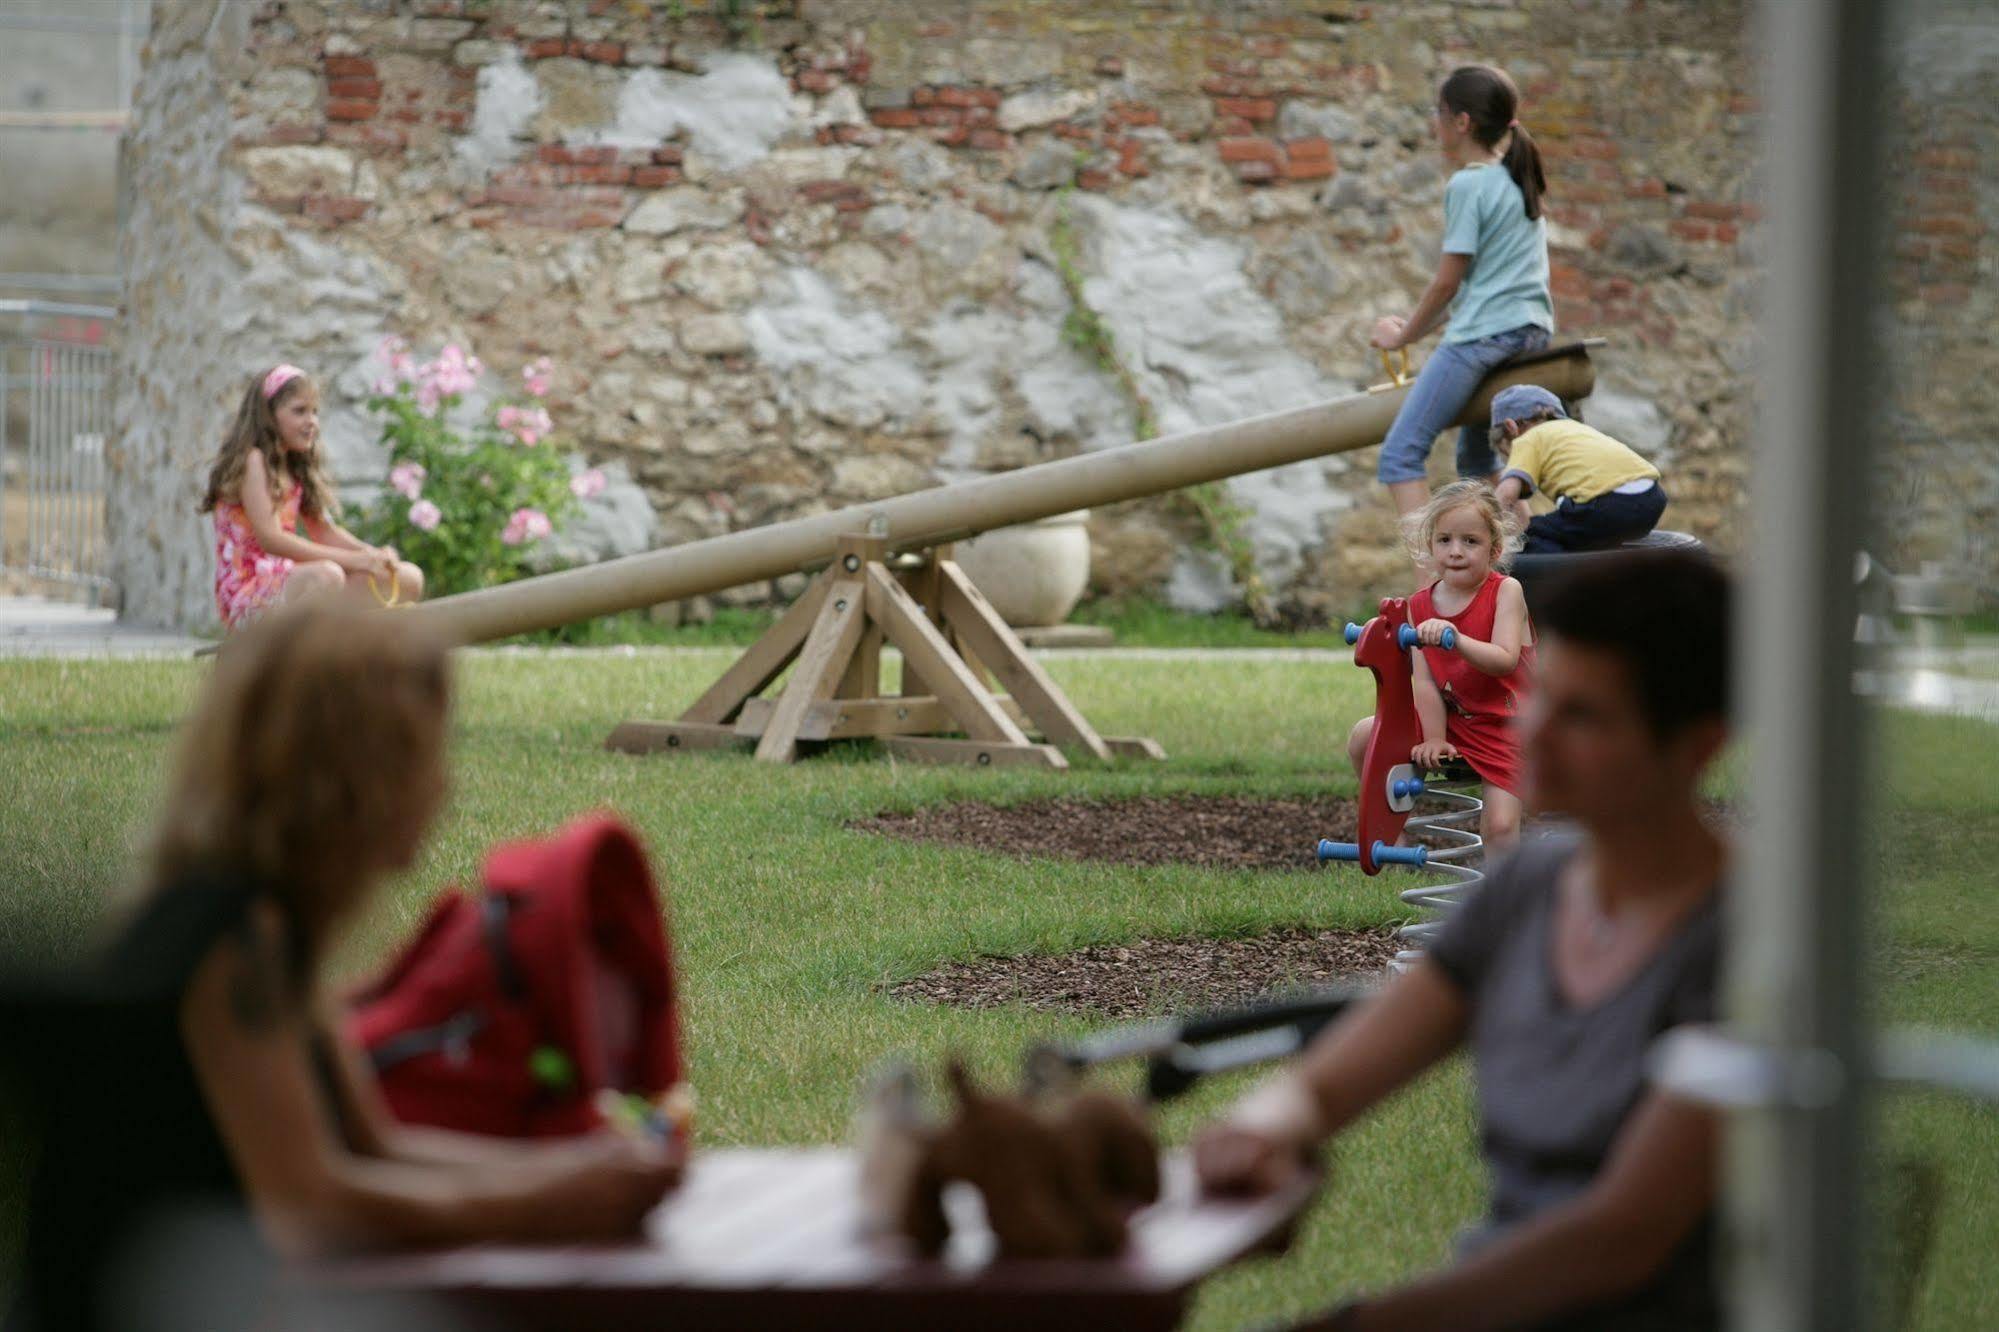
(1388, 332)
(1236, 1161)
(1266, 1141)
(389, 553)
(1431, 632)
(363, 562)
(1431, 754)
(609, 1187)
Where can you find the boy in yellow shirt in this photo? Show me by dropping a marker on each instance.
(1605, 494)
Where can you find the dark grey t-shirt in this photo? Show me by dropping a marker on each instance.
(1555, 1082)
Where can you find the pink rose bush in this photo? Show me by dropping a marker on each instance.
(530, 425)
(526, 525)
(471, 497)
(406, 479)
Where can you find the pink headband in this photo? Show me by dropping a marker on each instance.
(279, 377)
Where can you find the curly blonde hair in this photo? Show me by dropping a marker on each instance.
(256, 430)
(1420, 526)
(300, 758)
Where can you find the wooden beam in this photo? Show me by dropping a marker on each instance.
(982, 631)
(920, 581)
(853, 719)
(979, 753)
(645, 737)
(924, 647)
(821, 664)
(864, 673)
(1135, 746)
(763, 662)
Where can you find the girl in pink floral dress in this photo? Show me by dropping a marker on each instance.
(267, 484)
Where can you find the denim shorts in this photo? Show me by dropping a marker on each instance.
(1443, 386)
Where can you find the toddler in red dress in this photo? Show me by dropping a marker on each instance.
(1468, 695)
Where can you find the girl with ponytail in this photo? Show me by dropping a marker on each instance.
(1492, 280)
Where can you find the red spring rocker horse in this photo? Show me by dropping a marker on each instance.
(1389, 782)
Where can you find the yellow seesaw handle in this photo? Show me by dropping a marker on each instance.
(393, 601)
(1397, 370)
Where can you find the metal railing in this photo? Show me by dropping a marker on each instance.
(55, 415)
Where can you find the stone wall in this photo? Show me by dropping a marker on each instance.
(58, 213)
(790, 256)
(1936, 489)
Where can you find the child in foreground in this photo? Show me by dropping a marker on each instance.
(266, 484)
(1468, 695)
(1606, 494)
(309, 774)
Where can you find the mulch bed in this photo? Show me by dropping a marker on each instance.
(1214, 832)
(1150, 976)
(1154, 976)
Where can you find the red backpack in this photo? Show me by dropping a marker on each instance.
(508, 1012)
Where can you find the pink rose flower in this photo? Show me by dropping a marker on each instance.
(425, 516)
(395, 353)
(451, 374)
(530, 425)
(586, 485)
(539, 376)
(526, 525)
(406, 479)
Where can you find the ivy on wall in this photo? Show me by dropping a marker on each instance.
(1224, 523)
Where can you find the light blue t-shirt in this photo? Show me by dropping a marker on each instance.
(1486, 218)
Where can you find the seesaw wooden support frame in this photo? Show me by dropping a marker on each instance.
(954, 647)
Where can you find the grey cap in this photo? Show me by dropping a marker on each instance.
(1522, 401)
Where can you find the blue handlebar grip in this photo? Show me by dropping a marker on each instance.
(1384, 854)
(1405, 636)
(1406, 786)
(1331, 850)
(1352, 632)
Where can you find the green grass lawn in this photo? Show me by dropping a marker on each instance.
(786, 924)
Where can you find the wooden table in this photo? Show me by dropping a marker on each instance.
(771, 1239)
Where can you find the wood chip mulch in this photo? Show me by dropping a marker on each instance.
(1150, 976)
(1154, 976)
(1216, 832)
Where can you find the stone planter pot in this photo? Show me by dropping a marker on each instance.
(1033, 574)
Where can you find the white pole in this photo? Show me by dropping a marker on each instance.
(1797, 1199)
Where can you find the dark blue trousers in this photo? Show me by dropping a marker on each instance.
(1608, 520)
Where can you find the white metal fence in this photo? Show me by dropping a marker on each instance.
(55, 414)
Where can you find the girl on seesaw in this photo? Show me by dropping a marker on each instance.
(265, 485)
(1467, 695)
(1492, 279)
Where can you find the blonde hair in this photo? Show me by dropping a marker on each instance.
(298, 758)
(256, 429)
(1420, 526)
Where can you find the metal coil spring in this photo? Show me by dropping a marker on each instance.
(1457, 825)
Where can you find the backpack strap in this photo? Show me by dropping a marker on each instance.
(495, 910)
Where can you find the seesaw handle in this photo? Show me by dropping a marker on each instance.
(1384, 854)
(1405, 635)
